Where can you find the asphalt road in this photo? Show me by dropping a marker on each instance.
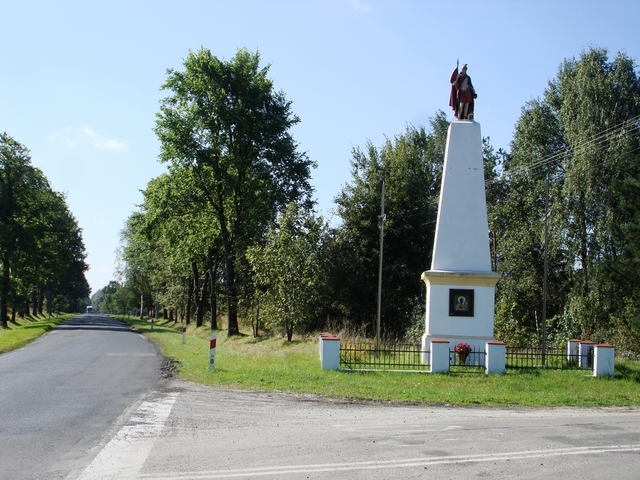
(214, 434)
(60, 395)
(96, 410)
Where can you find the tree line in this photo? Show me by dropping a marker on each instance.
(231, 230)
(42, 255)
(581, 138)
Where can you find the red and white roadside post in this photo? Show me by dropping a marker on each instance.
(212, 351)
(184, 334)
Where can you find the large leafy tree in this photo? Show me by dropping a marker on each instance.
(41, 248)
(114, 298)
(140, 258)
(290, 267)
(55, 263)
(59, 259)
(583, 134)
(225, 122)
(516, 221)
(18, 181)
(593, 97)
(186, 238)
(410, 164)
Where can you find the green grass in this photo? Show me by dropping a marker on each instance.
(26, 330)
(271, 363)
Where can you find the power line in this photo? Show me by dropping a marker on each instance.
(627, 126)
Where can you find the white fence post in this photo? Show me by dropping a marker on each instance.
(329, 351)
(439, 356)
(585, 353)
(426, 348)
(496, 357)
(603, 360)
(573, 350)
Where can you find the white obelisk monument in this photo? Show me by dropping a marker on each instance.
(461, 284)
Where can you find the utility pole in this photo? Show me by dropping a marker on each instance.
(545, 273)
(381, 220)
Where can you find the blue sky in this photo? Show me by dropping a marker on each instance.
(79, 80)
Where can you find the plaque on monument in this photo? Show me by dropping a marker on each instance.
(460, 302)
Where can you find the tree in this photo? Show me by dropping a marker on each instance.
(591, 97)
(114, 298)
(41, 248)
(583, 134)
(291, 266)
(516, 220)
(225, 123)
(186, 249)
(57, 264)
(139, 259)
(410, 166)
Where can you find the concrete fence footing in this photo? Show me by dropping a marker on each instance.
(573, 350)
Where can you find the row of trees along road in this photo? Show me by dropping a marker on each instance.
(41, 250)
(583, 134)
(231, 223)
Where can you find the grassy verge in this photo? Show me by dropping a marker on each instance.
(274, 364)
(26, 330)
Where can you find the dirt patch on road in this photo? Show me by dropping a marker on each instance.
(169, 367)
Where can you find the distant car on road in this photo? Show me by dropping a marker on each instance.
(89, 309)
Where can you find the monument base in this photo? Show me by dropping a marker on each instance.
(460, 308)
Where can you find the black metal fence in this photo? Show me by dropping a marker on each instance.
(363, 355)
(552, 358)
(476, 358)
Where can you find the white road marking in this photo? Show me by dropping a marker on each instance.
(124, 455)
(399, 463)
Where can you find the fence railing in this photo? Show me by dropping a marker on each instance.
(552, 358)
(362, 355)
(476, 358)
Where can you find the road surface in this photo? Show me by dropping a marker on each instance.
(215, 434)
(86, 403)
(60, 395)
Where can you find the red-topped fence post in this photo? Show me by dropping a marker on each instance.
(603, 360)
(329, 350)
(439, 355)
(496, 357)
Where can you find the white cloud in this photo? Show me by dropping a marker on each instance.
(359, 5)
(84, 135)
